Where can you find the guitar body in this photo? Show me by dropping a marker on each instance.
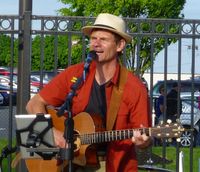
(84, 155)
(89, 131)
(86, 123)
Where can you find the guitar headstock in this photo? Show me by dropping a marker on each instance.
(172, 130)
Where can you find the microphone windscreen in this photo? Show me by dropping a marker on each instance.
(92, 54)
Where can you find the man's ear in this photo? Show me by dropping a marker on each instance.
(121, 45)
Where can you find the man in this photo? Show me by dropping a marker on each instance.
(159, 111)
(159, 105)
(173, 101)
(108, 38)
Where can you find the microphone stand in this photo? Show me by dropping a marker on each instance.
(67, 153)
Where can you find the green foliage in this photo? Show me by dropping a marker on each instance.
(6, 50)
(3, 143)
(49, 51)
(128, 8)
(134, 9)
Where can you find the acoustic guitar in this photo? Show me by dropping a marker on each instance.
(89, 131)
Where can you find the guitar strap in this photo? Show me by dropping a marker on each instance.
(116, 98)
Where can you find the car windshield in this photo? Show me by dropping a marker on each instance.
(186, 86)
(189, 100)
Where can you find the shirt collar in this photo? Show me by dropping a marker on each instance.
(114, 79)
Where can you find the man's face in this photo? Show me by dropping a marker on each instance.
(105, 45)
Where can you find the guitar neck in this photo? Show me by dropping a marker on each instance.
(169, 130)
(108, 136)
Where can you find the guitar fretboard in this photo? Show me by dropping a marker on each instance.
(107, 136)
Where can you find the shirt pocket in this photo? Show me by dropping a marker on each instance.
(122, 119)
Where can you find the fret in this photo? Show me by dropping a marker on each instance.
(125, 134)
(106, 136)
(109, 136)
(116, 135)
(94, 138)
(102, 137)
(124, 131)
(110, 139)
(89, 140)
(112, 135)
(81, 138)
(86, 138)
(120, 135)
(98, 137)
(91, 137)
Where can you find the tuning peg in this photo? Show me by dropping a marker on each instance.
(169, 121)
(169, 140)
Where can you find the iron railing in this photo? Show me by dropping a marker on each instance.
(26, 26)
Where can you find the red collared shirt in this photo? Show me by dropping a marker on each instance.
(132, 111)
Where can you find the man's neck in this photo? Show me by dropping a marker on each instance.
(105, 72)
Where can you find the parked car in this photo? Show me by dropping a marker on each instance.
(189, 107)
(6, 93)
(33, 90)
(5, 80)
(186, 86)
(35, 81)
(5, 71)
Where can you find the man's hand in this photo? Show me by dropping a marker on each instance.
(59, 139)
(141, 140)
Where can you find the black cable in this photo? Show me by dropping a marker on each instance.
(4, 154)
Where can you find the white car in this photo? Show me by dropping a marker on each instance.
(190, 108)
(5, 80)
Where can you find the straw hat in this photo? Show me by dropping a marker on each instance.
(109, 22)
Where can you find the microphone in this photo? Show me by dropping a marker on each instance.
(91, 55)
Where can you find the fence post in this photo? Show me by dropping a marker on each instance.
(199, 166)
(24, 62)
(181, 157)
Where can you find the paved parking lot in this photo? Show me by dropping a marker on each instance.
(4, 121)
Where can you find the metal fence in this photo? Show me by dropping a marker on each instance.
(26, 26)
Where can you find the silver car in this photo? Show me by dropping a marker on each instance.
(189, 109)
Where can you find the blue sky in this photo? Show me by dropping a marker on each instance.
(40, 7)
(49, 7)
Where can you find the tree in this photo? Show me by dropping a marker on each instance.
(132, 9)
(6, 49)
(46, 46)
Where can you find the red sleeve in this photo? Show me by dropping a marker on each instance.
(55, 92)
